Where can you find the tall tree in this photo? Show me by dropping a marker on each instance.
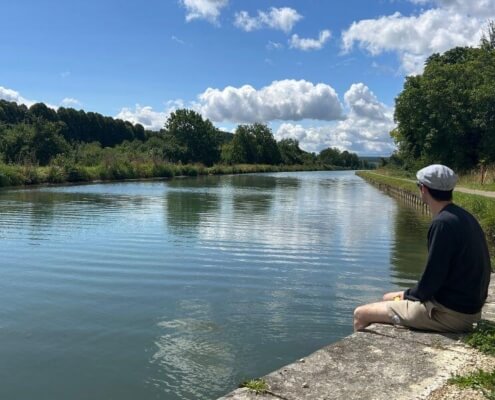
(200, 139)
(447, 114)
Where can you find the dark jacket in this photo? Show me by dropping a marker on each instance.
(458, 269)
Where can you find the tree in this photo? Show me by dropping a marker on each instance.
(199, 138)
(330, 156)
(267, 151)
(39, 111)
(290, 152)
(48, 141)
(253, 144)
(447, 114)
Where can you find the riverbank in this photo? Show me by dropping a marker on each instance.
(480, 205)
(24, 175)
(382, 362)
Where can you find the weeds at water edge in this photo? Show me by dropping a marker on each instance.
(259, 386)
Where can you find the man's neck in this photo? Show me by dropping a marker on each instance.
(437, 206)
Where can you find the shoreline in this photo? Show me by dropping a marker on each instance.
(381, 362)
(172, 171)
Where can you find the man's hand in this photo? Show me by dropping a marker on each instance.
(393, 295)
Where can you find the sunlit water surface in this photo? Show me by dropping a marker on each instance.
(182, 289)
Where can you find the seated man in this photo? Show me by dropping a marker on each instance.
(454, 285)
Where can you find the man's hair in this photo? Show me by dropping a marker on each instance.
(440, 195)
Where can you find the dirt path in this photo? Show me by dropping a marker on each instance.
(461, 189)
(485, 193)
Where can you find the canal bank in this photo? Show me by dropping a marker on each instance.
(381, 362)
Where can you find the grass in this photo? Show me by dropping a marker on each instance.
(483, 208)
(259, 386)
(480, 380)
(483, 337)
(17, 175)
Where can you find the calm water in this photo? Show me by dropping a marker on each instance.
(182, 289)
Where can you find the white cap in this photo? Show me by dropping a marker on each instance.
(437, 177)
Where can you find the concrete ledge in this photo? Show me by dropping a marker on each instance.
(381, 363)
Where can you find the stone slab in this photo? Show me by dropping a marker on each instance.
(380, 363)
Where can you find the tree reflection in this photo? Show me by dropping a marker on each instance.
(410, 251)
(185, 210)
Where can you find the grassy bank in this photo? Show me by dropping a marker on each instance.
(483, 208)
(18, 175)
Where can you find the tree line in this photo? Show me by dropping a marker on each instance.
(447, 114)
(40, 135)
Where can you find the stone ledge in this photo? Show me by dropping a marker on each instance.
(381, 363)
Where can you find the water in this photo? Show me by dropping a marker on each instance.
(184, 288)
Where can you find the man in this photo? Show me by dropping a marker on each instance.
(454, 285)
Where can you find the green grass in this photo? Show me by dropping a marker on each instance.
(17, 175)
(483, 337)
(480, 380)
(483, 208)
(259, 386)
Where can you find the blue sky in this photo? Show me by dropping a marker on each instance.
(323, 72)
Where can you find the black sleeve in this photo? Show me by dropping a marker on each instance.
(441, 247)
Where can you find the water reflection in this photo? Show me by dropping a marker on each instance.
(191, 356)
(192, 284)
(185, 210)
(409, 246)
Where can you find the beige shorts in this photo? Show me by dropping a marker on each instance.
(431, 316)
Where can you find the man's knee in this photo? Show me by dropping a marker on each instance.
(359, 313)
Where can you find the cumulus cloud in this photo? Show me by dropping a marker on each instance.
(282, 100)
(283, 19)
(479, 8)
(204, 9)
(307, 44)
(365, 130)
(416, 37)
(146, 116)
(12, 95)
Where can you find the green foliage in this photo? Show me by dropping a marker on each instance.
(333, 156)
(483, 337)
(480, 380)
(259, 386)
(198, 139)
(252, 144)
(446, 114)
(290, 152)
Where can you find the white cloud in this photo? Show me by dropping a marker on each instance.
(365, 130)
(204, 9)
(70, 102)
(283, 19)
(478, 8)
(12, 95)
(308, 44)
(281, 100)
(146, 116)
(414, 38)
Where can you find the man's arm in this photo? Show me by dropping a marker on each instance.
(441, 247)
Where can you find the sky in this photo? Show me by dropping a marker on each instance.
(323, 72)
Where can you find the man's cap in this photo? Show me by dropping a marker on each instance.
(437, 177)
